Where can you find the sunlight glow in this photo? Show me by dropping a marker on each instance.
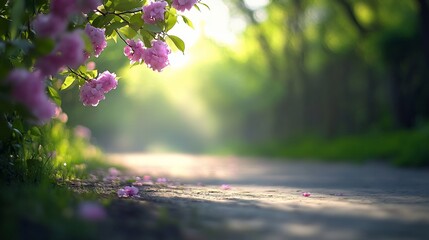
(217, 24)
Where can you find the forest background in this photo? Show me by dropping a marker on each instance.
(299, 79)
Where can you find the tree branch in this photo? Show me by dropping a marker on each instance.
(352, 16)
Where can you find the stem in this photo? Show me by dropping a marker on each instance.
(125, 12)
(118, 14)
(78, 74)
(120, 36)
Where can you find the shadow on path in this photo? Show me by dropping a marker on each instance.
(371, 201)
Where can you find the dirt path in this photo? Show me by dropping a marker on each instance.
(371, 201)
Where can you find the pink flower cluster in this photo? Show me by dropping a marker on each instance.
(97, 37)
(147, 180)
(127, 192)
(54, 23)
(49, 25)
(92, 92)
(60, 115)
(68, 52)
(154, 12)
(28, 88)
(183, 5)
(134, 50)
(155, 57)
(82, 132)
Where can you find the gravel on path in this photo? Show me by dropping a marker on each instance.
(250, 198)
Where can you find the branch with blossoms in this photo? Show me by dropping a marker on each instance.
(47, 44)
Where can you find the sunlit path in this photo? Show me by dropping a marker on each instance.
(371, 201)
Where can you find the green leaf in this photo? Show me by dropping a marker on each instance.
(35, 131)
(188, 22)
(147, 38)
(196, 6)
(178, 42)
(125, 5)
(16, 15)
(113, 36)
(92, 74)
(136, 21)
(102, 20)
(67, 82)
(114, 26)
(152, 28)
(97, 21)
(128, 32)
(4, 26)
(171, 19)
(205, 5)
(43, 45)
(54, 95)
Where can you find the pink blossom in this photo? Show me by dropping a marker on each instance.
(87, 6)
(97, 37)
(128, 191)
(114, 172)
(43, 109)
(90, 65)
(63, 8)
(28, 88)
(131, 191)
(306, 194)
(68, 52)
(108, 81)
(91, 211)
(134, 50)
(71, 48)
(154, 12)
(91, 93)
(183, 5)
(48, 25)
(122, 193)
(161, 180)
(146, 180)
(82, 132)
(63, 117)
(156, 57)
(225, 187)
(60, 115)
(49, 64)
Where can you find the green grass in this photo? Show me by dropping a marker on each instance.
(408, 148)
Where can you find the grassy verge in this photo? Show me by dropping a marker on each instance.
(54, 184)
(408, 148)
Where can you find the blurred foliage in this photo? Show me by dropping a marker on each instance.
(325, 71)
(406, 148)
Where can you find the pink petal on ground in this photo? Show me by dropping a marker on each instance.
(306, 194)
(114, 172)
(162, 180)
(131, 191)
(225, 187)
(122, 193)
